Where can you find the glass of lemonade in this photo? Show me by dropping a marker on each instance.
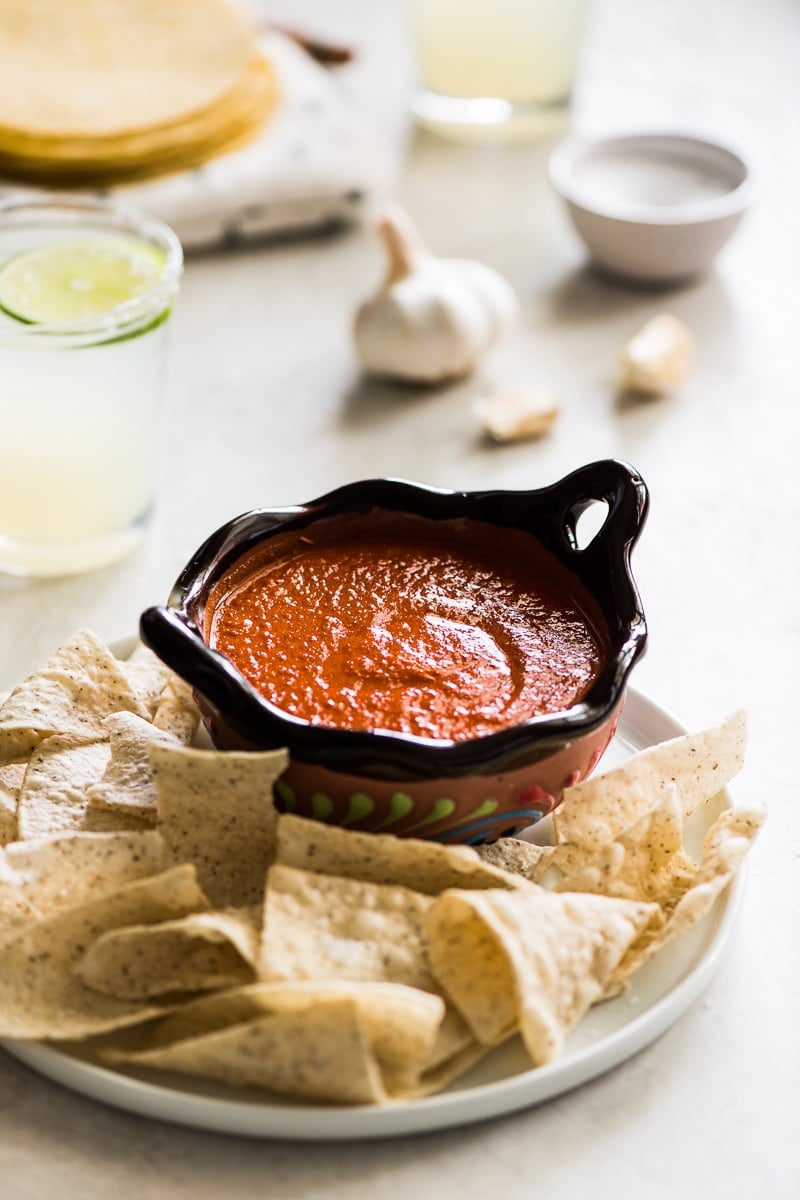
(86, 290)
(496, 69)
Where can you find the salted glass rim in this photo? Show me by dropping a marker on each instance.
(60, 211)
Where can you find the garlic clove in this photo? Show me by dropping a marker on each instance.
(433, 318)
(518, 413)
(658, 357)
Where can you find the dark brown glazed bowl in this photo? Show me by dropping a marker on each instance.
(472, 790)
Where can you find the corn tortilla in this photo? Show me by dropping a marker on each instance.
(152, 63)
(96, 92)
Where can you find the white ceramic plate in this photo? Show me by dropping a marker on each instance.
(501, 1083)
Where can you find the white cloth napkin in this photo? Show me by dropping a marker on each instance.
(317, 163)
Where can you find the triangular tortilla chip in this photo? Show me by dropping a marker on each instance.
(177, 712)
(437, 1077)
(69, 695)
(11, 776)
(647, 862)
(147, 676)
(529, 959)
(381, 858)
(516, 857)
(126, 787)
(201, 952)
(594, 813)
(53, 798)
(42, 877)
(40, 995)
(215, 809)
(399, 1024)
(725, 846)
(319, 1054)
(325, 927)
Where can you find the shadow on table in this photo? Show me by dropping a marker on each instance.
(369, 399)
(588, 293)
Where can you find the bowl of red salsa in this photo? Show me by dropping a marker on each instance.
(439, 664)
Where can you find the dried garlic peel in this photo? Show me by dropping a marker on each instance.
(520, 413)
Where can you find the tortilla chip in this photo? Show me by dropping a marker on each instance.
(126, 787)
(40, 995)
(201, 952)
(647, 862)
(41, 877)
(454, 1052)
(516, 857)
(428, 867)
(325, 927)
(147, 676)
(8, 819)
(454, 1036)
(595, 812)
(401, 1024)
(54, 796)
(177, 712)
(725, 846)
(317, 1054)
(69, 695)
(398, 1024)
(444, 1073)
(389, 966)
(529, 959)
(330, 929)
(11, 776)
(215, 809)
(466, 956)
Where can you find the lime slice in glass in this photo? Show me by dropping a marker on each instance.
(70, 281)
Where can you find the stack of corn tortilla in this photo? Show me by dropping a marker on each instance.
(96, 92)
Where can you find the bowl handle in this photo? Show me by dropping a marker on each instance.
(178, 643)
(623, 490)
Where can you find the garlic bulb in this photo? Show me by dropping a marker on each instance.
(658, 357)
(433, 317)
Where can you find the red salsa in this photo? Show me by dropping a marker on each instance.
(445, 630)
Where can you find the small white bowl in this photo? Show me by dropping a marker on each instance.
(652, 207)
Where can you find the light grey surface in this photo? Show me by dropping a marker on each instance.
(267, 407)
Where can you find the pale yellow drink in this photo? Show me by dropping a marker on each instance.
(80, 400)
(496, 64)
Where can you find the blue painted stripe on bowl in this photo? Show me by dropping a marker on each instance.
(531, 815)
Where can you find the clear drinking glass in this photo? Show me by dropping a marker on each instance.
(494, 69)
(81, 401)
